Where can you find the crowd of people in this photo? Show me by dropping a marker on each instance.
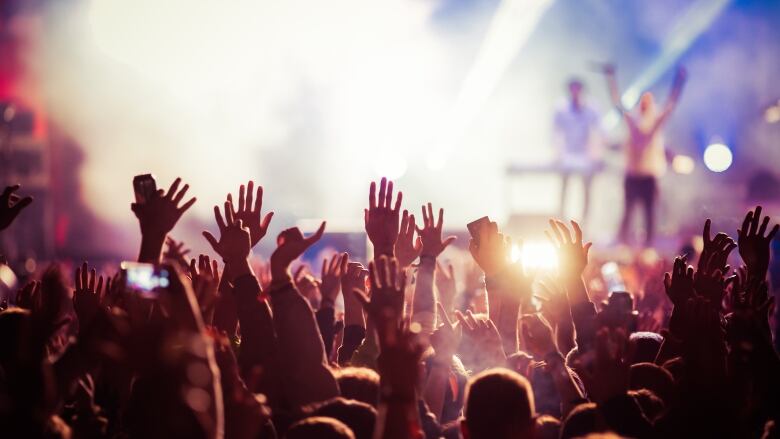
(229, 348)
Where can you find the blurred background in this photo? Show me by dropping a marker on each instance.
(452, 99)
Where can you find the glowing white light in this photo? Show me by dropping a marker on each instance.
(683, 164)
(535, 255)
(717, 157)
(390, 165)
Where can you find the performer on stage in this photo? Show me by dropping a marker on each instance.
(577, 139)
(645, 151)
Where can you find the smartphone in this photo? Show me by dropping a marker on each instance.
(610, 271)
(145, 280)
(145, 187)
(477, 226)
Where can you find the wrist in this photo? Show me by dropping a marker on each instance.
(238, 268)
(384, 250)
(327, 302)
(280, 278)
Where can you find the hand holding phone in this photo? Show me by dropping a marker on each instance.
(145, 187)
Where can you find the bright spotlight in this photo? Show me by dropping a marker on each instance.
(683, 164)
(717, 157)
(535, 256)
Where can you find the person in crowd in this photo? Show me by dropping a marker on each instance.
(577, 138)
(218, 350)
(644, 150)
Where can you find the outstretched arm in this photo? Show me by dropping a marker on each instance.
(157, 216)
(674, 97)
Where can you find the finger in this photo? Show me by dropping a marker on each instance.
(77, 277)
(21, 204)
(174, 187)
(706, 233)
(565, 229)
(577, 232)
(440, 223)
(266, 221)
(424, 219)
(316, 236)
(393, 273)
(249, 197)
(586, 249)
(212, 240)
(259, 200)
(462, 319)
(218, 217)
(7, 193)
(557, 234)
(299, 273)
(362, 298)
(398, 199)
(373, 278)
(324, 271)
(756, 219)
(84, 275)
(746, 224)
(382, 192)
(430, 216)
(344, 263)
(447, 241)
(764, 225)
(92, 276)
(389, 196)
(443, 315)
(405, 222)
(187, 205)
(180, 195)
(372, 196)
(773, 232)
(241, 198)
(229, 217)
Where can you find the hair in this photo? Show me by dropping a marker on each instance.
(676, 367)
(652, 406)
(499, 404)
(358, 383)
(358, 416)
(654, 378)
(581, 421)
(320, 427)
(547, 427)
(644, 346)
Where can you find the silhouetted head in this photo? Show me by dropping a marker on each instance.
(581, 421)
(575, 90)
(547, 427)
(320, 427)
(499, 405)
(654, 378)
(358, 416)
(359, 383)
(647, 104)
(652, 406)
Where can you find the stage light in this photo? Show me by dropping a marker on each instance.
(535, 256)
(683, 164)
(772, 113)
(717, 157)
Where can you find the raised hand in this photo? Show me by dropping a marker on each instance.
(555, 304)
(572, 253)
(407, 249)
(491, 250)
(445, 285)
(158, 215)
(538, 335)
(332, 273)
(430, 234)
(10, 205)
(176, 252)
(382, 216)
(386, 306)
(484, 335)
(88, 296)
(718, 248)
(234, 242)
(204, 274)
(290, 245)
(607, 375)
(754, 243)
(709, 282)
(445, 338)
(251, 215)
(679, 283)
(308, 286)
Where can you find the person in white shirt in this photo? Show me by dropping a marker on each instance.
(645, 151)
(577, 140)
